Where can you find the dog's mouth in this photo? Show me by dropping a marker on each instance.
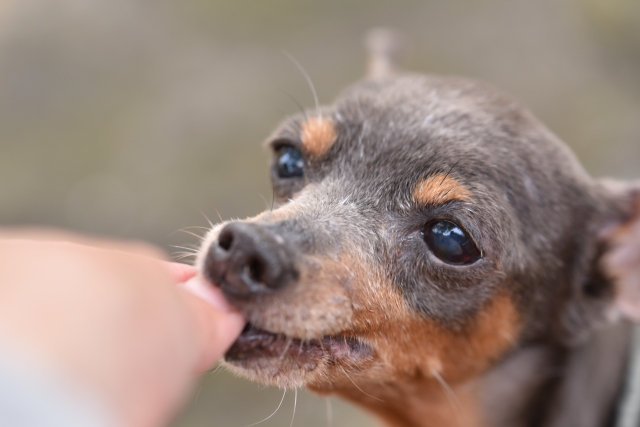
(255, 347)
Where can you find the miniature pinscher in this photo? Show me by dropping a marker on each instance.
(437, 256)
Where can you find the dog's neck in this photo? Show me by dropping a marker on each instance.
(592, 380)
(418, 402)
(536, 386)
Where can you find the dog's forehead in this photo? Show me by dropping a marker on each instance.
(431, 113)
(381, 138)
(396, 132)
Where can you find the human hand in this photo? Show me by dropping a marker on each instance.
(110, 318)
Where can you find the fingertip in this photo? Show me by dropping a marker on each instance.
(219, 324)
(229, 328)
(199, 287)
(180, 272)
(220, 332)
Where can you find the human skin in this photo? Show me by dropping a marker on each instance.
(113, 318)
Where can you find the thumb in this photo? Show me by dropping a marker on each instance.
(218, 324)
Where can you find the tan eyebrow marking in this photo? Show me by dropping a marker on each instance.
(318, 135)
(439, 189)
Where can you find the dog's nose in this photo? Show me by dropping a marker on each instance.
(248, 260)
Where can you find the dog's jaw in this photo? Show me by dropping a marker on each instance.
(291, 362)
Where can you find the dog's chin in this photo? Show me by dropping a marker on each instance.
(283, 361)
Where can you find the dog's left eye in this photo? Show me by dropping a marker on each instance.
(450, 243)
(289, 163)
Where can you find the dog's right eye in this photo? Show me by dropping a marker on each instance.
(289, 162)
(450, 243)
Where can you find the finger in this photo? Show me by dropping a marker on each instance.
(218, 323)
(180, 272)
(59, 235)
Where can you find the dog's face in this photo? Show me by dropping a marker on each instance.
(425, 227)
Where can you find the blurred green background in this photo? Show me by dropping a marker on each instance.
(136, 118)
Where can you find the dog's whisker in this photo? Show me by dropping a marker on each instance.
(274, 412)
(451, 396)
(448, 173)
(286, 347)
(207, 218)
(192, 248)
(183, 231)
(184, 254)
(273, 196)
(266, 204)
(207, 377)
(185, 248)
(194, 226)
(295, 101)
(356, 386)
(200, 389)
(219, 216)
(360, 146)
(309, 82)
(199, 237)
(329, 412)
(444, 195)
(186, 228)
(217, 212)
(216, 369)
(181, 256)
(295, 402)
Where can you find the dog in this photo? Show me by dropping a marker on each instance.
(437, 256)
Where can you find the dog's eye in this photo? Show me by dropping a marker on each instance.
(450, 243)
(289, 163)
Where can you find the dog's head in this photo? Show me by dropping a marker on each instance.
(425, 227)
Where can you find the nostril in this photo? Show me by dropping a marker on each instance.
(248, 260)
(255, 270)
(225, 240)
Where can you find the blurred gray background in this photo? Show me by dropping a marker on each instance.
(136, 118)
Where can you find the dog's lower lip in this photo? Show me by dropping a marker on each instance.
(254, 344)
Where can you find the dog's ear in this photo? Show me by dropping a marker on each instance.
(607, 264)
(621, 260)
(385, 48)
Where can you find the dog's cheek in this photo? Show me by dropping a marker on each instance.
(488, 336)
(412, 344)
(318, 305)
(421, 347)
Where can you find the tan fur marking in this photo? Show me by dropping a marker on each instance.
(318, 135)
(439, 189)
(404, 338)
(412, 352)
